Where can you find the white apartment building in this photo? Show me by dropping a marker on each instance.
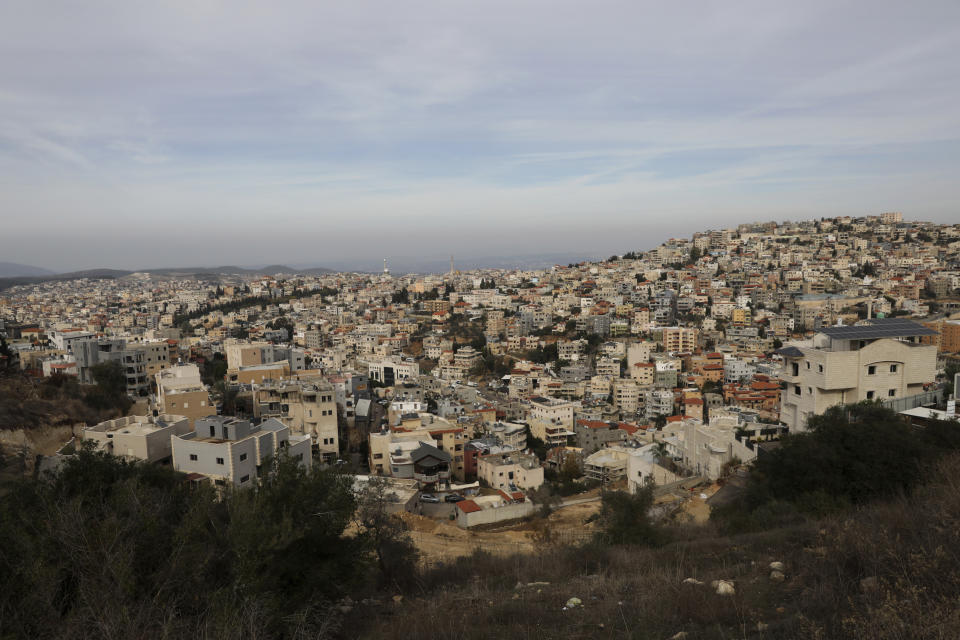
(510, 471)
(231, 451)
(389, 371)
(551, 419)
(879, 359)
(658, 402)
(145, 438)
(626, 395)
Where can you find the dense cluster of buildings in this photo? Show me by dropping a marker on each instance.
(696, 351)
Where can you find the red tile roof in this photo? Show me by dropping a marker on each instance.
(468, 506)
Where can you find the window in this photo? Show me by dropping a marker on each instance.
(193, 457)
(244, 479)
(820, 368)
(219, 460)
(243, 457)
(871, 370)
(218, 482)
(213, 431)
(892, 393)
(186, 405)
(808, 365)
(869, 395)
(796, 390)
(796, 369)
(893, 368)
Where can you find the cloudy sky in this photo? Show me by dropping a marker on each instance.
(136, 134)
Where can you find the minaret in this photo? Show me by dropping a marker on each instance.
(451, 264)
(386, 270)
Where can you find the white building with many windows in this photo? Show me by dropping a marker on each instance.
(878, 359)
(230, 451)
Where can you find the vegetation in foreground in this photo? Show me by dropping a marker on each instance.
(113, 549)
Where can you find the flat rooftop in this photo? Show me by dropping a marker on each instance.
(875, 328)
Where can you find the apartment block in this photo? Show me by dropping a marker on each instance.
(679, 339)
(305, 407)
(880, 359)
(229, 451)
(180, 390)
(551, 420)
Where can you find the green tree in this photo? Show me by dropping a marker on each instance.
(104, 547)
(849, 456)
(625, 518)
(538, 446)
(384, 534)
(570, 470)
(110, 388)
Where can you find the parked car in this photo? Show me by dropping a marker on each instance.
(429, 497)
(452, 497)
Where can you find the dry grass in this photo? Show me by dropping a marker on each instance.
(908, 545)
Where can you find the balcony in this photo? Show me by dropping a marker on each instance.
(432, 478)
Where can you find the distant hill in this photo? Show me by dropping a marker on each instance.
(234, 270)
(7, 281)
(280, 268)
(14, 270)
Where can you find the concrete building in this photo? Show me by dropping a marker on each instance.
(880, 359)
(596, 434)
(431, 430)
(551, 420)
(181, 391)
(705, 449)
(679, 339)
(306, 407)
(389, 371)
(259, 373)
(501, 507)
(658, 402)
(139, 360)
(510, 471)
(243, 354)
(947, 339)
(643, 468)
(235, 452)
(606, 465)
(138, 437)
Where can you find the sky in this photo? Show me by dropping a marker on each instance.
(137, 134)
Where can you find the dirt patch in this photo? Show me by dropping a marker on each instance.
(696, 509)
(442, 541)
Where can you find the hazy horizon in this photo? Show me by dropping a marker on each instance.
(136, 136)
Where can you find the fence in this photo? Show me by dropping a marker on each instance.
(926, 399)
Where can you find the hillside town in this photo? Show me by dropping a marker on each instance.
(473, 390)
